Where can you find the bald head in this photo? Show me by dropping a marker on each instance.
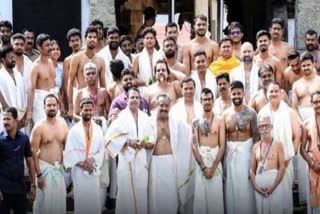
(247, 53)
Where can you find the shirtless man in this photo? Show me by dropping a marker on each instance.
(177, 68)
(224, 101)
(98, 95)
(311, 43)
(209, 143)
(42, 79)
(260, 99)
(267, 169)
(101, 40)
(172, 30)
(235, 32)
(302, 88)
(115, 88)
(48, 138)
(162, 85)
(242, 133)
(310, 136)
(77, 64)
(74, 39)
(264, 57)
(293, 72)
(5, 32)
(279, 48)
(200, 42)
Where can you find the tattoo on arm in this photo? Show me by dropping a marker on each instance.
(254, 128)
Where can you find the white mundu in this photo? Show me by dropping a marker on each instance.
(53, 198)
(146, 72)
(106, 55)
(210, 83)
(239, 190)
(132, 173)
(27, 63)
(208, 196)
(78, 147)
(169, 174)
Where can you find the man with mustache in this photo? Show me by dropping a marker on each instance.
(42, 79)
(264, 57)
(48, 138)
(113, 51)
(78, 62)
(241, 133)
(311, 43)
(235, 33)
(101, 40)
(208, 149)
(23, 63)
(247, 72)
(171, 156)
(84, 154)
(293, 72)
(202, 76)
(29, 51)
(126, 45)
(223, 101)
(311, 137)
(226, 61)
(267, 169)
(12, 88)
(74, 40)
(172, 30)
(199, 42)
(170, 49)
(5, 32)
(259, 99)
(162, 85)
(279, 48)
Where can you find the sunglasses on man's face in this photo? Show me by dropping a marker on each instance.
(237, 32)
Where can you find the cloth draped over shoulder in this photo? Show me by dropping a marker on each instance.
(146, 65)
(210, 83)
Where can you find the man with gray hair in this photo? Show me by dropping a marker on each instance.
(171, 156)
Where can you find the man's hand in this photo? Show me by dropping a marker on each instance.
(269, 191)
(41, 182)
(32, 193)
(29, 117)
(207, 173)
(260, 191)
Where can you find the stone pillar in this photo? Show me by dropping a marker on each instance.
(307, 17)
(214, 19)
(103, 10)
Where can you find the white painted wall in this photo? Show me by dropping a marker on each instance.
(6, 10)
(85, 15)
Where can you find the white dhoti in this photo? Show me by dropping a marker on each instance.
(239, 191)
(286, 183)
(38, 106)
(208, 195)
(273, 203)
(163, 193)
(53, 198)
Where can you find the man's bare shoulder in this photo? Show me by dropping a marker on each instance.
(68, 58)
(287, 71)
(102, 91)
(278, 145)
(251, 111)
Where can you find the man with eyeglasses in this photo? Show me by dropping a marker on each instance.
(267, 169)
(260, 99)
(311, 136)
(277, 47)
(236, 35)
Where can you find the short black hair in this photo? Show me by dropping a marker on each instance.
(223, 75)
(317, 92)
(86, 100)
(138, 38)
(50, 96)
(97, 22)
(306, 56)
(13, 111)
(133, 88)
(124, 38)
(199, 53)
(18, 36)
(293, 54)
(161, 61)
(6, 23)
(41, 38)
(73, 32)
(207, 91)
(149, 13)
(127, 71)
(149, 30)
(263, 33)
(234, 25)
(263, 68)
(116, 67)
(27, 29)
(201, 17)
(278, 21)
(225, 39)
(5, 50)
(169, 38)
(91, 29)
(170, 24)
(236, 84)
(310, 32)
(112, 30)
(186, 80)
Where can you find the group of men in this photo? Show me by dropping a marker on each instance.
(204, 128)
